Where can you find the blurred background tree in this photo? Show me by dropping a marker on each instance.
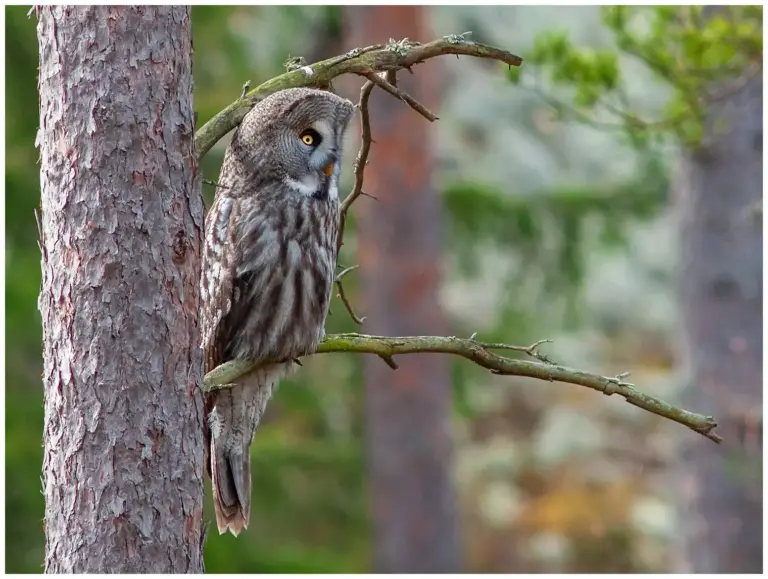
(710, 58)
(400, 246)
(552, 228)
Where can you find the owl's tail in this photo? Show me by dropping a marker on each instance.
(234, 414)
(231, 476)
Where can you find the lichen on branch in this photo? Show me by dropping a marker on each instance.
(387, 347)
(393, 56)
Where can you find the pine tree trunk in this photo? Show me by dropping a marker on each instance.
(721, 297)
(407, 411)
(122, 217)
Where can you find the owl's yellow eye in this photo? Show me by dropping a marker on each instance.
(310, 138)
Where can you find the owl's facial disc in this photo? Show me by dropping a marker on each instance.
(315, 170)
(324, 151)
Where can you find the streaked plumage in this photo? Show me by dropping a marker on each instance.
(268, 269)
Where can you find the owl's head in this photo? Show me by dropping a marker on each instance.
(296, 136)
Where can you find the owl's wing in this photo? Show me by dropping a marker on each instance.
(218, 275)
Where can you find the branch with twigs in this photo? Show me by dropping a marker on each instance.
(386, 348)
(405, 97)
(387, 81)
(343, 297)
(379, 65)
(360, 162)
(395, 55)
(357, 190)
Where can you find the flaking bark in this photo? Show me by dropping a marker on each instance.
(407, 413)
(122, 218)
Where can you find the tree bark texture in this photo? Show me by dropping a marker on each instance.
(721, 294)
(407, 411)
(122, 217)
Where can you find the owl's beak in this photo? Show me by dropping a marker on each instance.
(329, 169)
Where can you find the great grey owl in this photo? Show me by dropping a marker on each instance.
(269, 265)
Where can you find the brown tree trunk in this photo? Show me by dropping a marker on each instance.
(399, 251)
(122, 217)
(721, 293)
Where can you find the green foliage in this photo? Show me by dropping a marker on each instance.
(545, 231)
(23, 393)
(689, 48)
(592, 71)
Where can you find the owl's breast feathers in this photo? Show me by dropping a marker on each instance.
(269, 267)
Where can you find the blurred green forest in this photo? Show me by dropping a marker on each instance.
(553, 232)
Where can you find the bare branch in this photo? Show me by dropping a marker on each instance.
(531, 350)
(360, 161)
(402, 95)
(246, 88)
(342, 296)
(480, 353)
(392, 56)
(357, 190)
(346, 271)
(215, 184)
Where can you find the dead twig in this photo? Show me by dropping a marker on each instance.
(360, 162)
(531, 350)
(246, 88)
(357, 190)
(402, 95)
(342, 296)
(215, 184)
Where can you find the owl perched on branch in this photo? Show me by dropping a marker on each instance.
(269, 266)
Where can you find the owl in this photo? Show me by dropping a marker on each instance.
(269, 266)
